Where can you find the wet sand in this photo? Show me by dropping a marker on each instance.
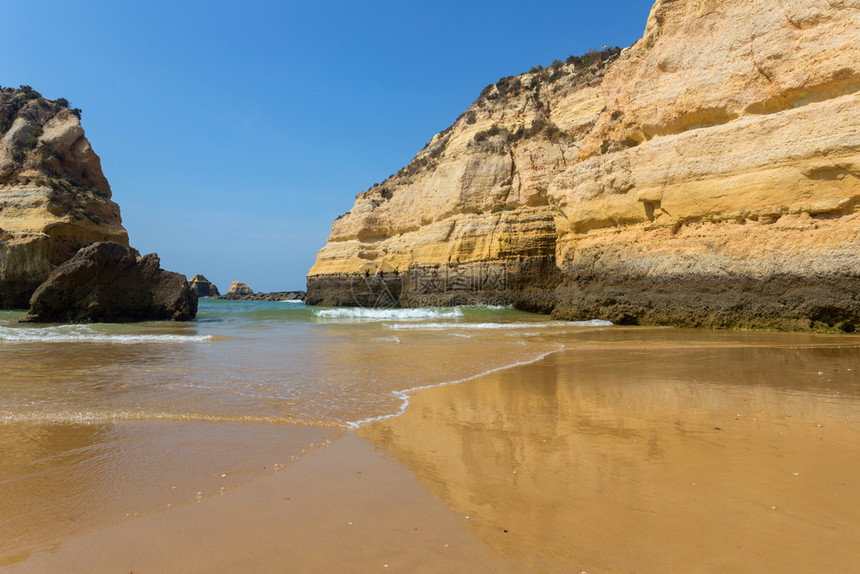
(343, 508)
(59, 481)
(638, 451)
(695, 458)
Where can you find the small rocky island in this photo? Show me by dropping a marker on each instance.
(239, 291)
(203, 287)
(62, 242)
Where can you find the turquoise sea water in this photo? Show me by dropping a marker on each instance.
(101, 423)
(258, 361)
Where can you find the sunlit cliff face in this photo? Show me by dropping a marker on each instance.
(718, 154)
(54, 198)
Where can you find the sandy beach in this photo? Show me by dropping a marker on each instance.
(668, 460)
(602, 316)
(693, 452)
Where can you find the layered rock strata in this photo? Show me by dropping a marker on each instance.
(54, 198)
(706, 176)
(107, 282)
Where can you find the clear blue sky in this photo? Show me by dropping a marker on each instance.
(176, 98)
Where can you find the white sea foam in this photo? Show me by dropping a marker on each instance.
(480, 326)
(86, 334)
(592, 323)
(291, 301)
(368, 314)
(404, 395)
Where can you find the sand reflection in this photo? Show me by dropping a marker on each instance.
(697, 457)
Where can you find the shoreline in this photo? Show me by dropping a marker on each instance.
(601, 407)
(405, 395)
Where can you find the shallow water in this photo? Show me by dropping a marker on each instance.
(253, 361)
(100, 424)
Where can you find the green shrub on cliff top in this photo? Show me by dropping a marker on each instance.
(592, 56)
(30, 92)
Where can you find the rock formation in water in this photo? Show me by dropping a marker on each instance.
(203, 287)
(705, 176)
(54, 198)
(241, 292)
(239, 288)
(273, 296)
(108, 282)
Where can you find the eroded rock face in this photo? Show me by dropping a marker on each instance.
(107, 282)
(469, 219)
(708, 176)
(54, 198)
(203, 287)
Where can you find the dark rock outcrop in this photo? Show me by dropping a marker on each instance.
(527, 283)
(110, 283)
(203, 287)
(273, 296)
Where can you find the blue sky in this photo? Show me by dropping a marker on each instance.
(188, 105)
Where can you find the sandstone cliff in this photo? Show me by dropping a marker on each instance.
(54, 198)
(707, 175)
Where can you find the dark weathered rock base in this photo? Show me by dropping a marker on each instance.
(110, 283)
(28, 265)
(781, 303)
(203, 287)
(525, 283)
(273, 296)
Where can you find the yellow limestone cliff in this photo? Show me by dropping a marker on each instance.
(707, 175)
(54, 198)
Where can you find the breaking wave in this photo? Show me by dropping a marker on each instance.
(86, 334)
(373, 314)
